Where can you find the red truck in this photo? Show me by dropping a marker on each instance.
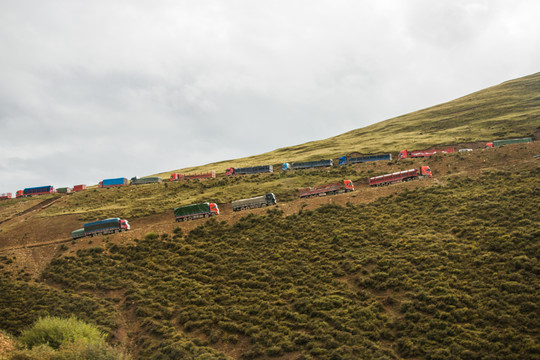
(404, 154)
(327, 189)
(400, 176)
(6, 196)
(78, 188)
(177, 176)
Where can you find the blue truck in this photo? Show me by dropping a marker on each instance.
(107, 226)
(344, 160)
(307, 165)
(113, 182)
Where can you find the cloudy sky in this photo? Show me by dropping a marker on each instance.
(100, 89)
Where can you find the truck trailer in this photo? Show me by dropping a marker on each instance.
(195, 211)
(307, 165)
(64, 190)
(79, 188)
(344, 160)
(496, 143)
(254, 202)
(400, 176)
(249, 170)
(39, 190)
(404, 154)
(101, 227)
(177, 176)
(6, 196)
(147, 180)
(327, 189)
(113, 182)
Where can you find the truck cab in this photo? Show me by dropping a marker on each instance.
(271, 198)
(124, 225)
(403, 154)
(285, 167)
(214, 208)
(229, 171)
(425, 171)
(176, 177)
(342, 160)
(349, 186)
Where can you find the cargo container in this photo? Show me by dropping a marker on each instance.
(307, 165)
(63, 190)
(147, 180)
(507, 142)
(424, 153)
(195, 211)
(113, 182)
(107, 226)
(39, 190)
(327, 189)
(254, 202)
(400, 176)
(177, 176)
(344, 160)
(6, 196)
(249, 170)
(79, 188)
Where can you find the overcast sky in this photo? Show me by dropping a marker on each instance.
(101, 89)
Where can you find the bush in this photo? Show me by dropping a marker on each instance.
(151, 236)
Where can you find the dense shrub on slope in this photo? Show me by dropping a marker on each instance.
(441, 273)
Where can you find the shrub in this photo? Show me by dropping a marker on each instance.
(151, 236)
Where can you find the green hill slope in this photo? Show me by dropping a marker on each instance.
(511, 109)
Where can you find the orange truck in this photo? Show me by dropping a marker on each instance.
(400, 176)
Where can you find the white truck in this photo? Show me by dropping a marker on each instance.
(254, 202)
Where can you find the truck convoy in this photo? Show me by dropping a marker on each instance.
(177, 176)
(148, 180)
(327, 189)
(307, 165)
(496, 143)
(107, 226)
(254, 202)
(423, 153)
(195, 211)
(400, 176)
(113, 182)
(249, 170)
(362, 159)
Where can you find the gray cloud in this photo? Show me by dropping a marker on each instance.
(90, 90)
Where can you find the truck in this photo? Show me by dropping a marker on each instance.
(64, 190)
(327, 189)
(249, 170)
(147, 180)
(344, 160)
(6, 196)
(400, 176)
(254, 202)
(195, 211)
(113, 182)
(404, 154)
(307, 165)
(101, 227)
(496, 143)
(33, 191)
(78, 188)
(177, 176)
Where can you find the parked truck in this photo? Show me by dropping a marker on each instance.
(424, 153)
(64, 190)
(400, 176)
(254, 202)
(327, 189)
(33, 191)
(249, 170)
(101, 227)
(344, 160)
(6, 196)
(147, 180)
(307, 165)
(113, 182)
(177, 176)
(195, 211)
(496, 143)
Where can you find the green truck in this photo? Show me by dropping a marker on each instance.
(496, 143)
(147, 180)
(195, 211)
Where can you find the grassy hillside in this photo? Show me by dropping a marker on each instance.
(511, 109)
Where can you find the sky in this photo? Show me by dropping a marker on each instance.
(91, 90)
